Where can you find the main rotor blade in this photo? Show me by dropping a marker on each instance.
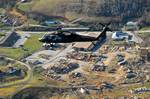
(76, 20)
(101, 24)
(108, 24)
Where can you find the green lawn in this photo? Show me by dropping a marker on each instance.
(24, 6)
(31, 46)
(2, 34)
(32, 43)
(145, 28)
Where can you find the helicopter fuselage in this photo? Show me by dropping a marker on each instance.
(66, 38)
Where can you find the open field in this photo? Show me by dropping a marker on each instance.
(124, 91)
(2, 34)
(45, 92)
(42, 7)
(146, 28)
(25, 6)
(39, 6)
(8, 90)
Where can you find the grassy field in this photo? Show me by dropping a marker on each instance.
(145, 28)
(42, 4)
(124, 91)
(39, 6)
(31, 45)
(2, 34)
(9, 90)
(25, 6)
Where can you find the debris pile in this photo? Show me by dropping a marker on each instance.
(64, 70)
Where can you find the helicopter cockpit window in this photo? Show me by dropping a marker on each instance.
(58, 37)
(67, 33)
(49, 37)
(45, 37)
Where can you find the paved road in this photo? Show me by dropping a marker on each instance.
(43, 32)
(32, 32)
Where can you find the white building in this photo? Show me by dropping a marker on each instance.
(120, 36)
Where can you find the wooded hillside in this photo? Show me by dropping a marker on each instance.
(115, 10)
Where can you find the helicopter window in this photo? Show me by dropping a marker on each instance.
(50, 37)
(67, 33)
(45, 37)
(58, 37)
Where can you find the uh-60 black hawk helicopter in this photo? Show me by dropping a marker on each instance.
(62, 36)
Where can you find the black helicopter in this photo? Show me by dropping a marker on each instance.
(62, 36)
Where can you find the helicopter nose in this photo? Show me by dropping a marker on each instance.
(41, 39)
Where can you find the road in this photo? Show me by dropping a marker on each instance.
(32, 32)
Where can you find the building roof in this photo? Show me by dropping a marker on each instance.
(93, 34)
(132, 23)
(84, 45)
(6, 37)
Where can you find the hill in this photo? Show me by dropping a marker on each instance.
(118, 11)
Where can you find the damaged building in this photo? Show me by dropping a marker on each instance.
(145, 53)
